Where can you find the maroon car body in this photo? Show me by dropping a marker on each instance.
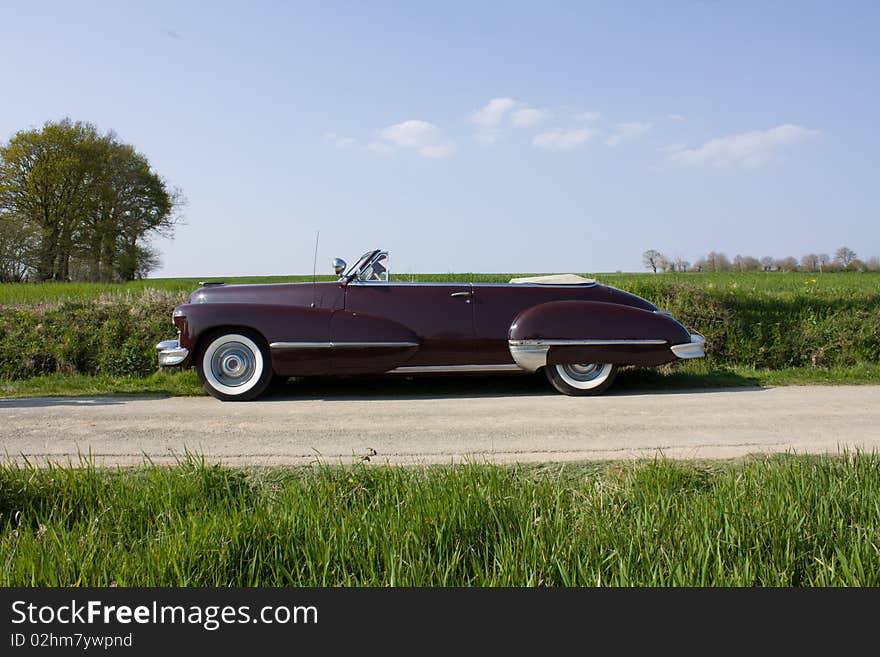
(366, 323)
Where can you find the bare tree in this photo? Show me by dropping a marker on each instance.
(810, 262)
(751, 264)
(717, 262)
(653, 260)
(844, 255)
(787, 264)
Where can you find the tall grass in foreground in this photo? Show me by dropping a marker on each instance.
(790, 521)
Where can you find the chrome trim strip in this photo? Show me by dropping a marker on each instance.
(452, 369)
(342, 345)
(696, 348)
(580, 343)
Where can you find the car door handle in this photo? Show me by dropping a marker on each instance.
(461, 294)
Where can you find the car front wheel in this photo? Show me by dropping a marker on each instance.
(581, 378)
(234, 365)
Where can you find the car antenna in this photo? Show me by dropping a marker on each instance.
(315, 272)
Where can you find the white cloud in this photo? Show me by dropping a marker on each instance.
(490, 117)
(587, 116)
(339, 141)
(562, 140)
(422, 136)
(628, 132)
(411, 134)
(493, 113)
(437, 150)
(675, 117)
(528, 116)
(379, 147)
(749, 149)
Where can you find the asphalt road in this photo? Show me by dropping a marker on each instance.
(418, 422)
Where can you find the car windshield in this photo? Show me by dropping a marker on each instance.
(363, 260)
(376, 268)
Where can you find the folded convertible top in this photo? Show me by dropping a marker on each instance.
(556, 279)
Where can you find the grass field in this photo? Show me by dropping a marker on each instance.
(835, 285)
(769, 521)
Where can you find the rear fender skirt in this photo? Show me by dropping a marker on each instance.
(592, 332)
(643, 355)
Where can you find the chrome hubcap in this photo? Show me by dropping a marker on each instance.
(233, 364)
(583, 371)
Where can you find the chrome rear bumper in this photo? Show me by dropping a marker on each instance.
(693, 349)
(171, 353)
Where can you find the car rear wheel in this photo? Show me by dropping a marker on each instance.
(581, 378)
(234, 365)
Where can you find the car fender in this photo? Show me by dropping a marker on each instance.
(578, 331)
(306, 341)
(275, 322)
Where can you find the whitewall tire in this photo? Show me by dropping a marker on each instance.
(581, 378)
(234, 365)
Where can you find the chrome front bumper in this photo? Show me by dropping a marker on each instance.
(693, 349)
(171, 353)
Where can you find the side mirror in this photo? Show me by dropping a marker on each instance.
(339, 266)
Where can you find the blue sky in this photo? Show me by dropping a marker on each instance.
(473, 136)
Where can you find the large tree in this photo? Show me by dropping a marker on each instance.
(92, 201)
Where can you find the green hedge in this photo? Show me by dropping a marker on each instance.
(777, 330)
(111, 335)
(761, 328)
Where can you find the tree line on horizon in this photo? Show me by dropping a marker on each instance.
(845, 259)
(78, 205)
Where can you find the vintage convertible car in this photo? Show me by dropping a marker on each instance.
(576, 330)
